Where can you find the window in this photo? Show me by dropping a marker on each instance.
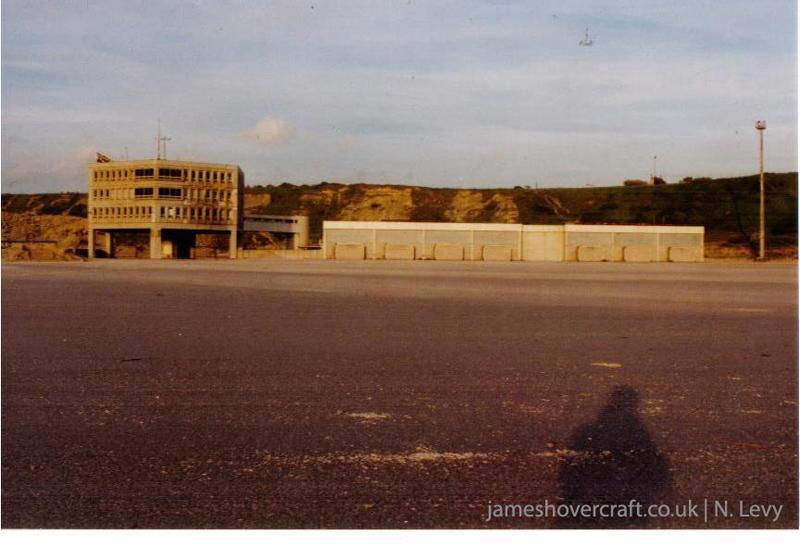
(164, 173)
(144, 173)
(143, 192)
(169, 193)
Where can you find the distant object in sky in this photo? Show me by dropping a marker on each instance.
(587, 40)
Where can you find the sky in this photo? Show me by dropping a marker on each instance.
(463, 93)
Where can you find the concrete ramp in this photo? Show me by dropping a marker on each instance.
(497, 253)
(448, 251)
(399, 251)
(350, 251)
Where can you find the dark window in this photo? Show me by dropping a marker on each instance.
(143, 192)
(169, 193)
(164, 173)
(144, 173)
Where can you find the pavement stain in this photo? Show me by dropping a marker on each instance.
(603, 364)
(366, 417)
(420, 455)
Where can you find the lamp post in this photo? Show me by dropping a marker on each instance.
(761, 125)
(653, 174)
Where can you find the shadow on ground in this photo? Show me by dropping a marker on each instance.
(615, 461)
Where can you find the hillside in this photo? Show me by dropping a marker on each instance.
(728, 208)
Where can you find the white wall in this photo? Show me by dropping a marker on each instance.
(553, 243)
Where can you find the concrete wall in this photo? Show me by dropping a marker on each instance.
(633, 243)
(430, 240)
(498, 242)
(543, 243)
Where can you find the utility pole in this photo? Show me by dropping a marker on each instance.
(761, 125)
(653, 177)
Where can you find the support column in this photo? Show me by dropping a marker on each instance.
(90, 243)
(155, 243)
(299, 239)
(301, 236)
(108, 244)
(232, 247)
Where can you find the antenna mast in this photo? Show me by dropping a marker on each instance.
(161, 141)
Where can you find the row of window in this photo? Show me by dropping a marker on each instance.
(194, 194)
(194, 214)
(191, 175)
(174, 193)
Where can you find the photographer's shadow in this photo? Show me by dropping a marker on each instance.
(614, 461)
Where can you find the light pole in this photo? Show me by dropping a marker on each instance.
(761, 125)
(653, 176)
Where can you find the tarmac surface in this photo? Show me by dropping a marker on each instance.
(305, 394)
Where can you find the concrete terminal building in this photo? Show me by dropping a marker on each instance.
(173, 200)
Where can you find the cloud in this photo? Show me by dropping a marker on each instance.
(490, 93)
(270, 130)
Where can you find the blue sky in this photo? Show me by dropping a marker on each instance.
(440, 93)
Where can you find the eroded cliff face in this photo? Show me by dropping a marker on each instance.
(379, 203)
(474, 206)
(32, 236)
(384, 202)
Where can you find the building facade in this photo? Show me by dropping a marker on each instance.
(173, 200)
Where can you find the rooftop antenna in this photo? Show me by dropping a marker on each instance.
(161, 141)
(158, 141)
(164, 140)
(587, 41)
